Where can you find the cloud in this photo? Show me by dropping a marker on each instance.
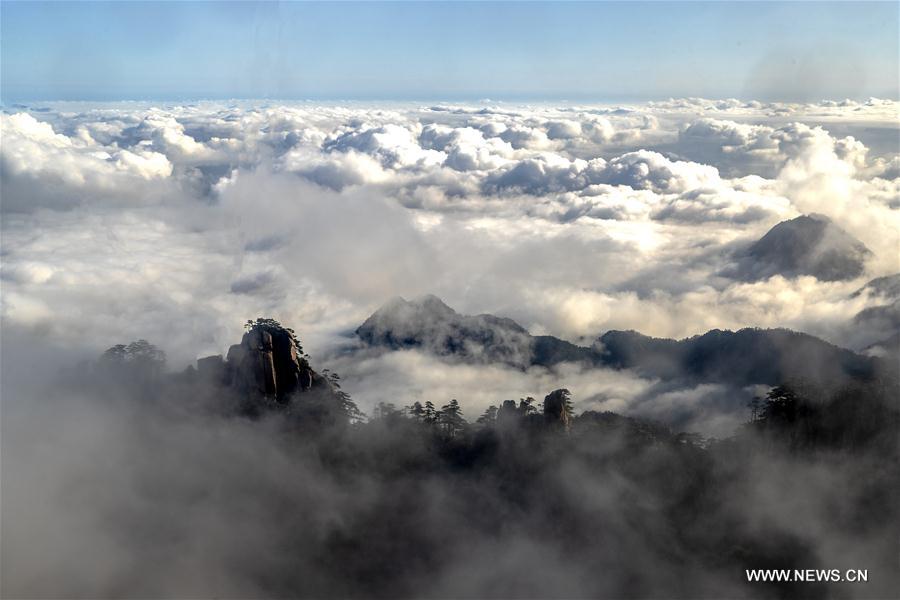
(394, 145)
(651, 170)
(570, 219)
(406, 376)
(820, 175)
(563, 129)
(547, 173)
(42, 168)
(177, 223)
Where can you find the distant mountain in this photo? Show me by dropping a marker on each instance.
(744, 357)
(889, 348)
(886, 287)
(807, 245)
(741, 358)
(430, 324)
(884, 318)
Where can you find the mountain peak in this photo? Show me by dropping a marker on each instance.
(427, 322)
(806, 245)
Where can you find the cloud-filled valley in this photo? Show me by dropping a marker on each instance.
(572, 220)
(482, 252)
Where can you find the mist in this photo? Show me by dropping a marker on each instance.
(123, 484)
(544, 229)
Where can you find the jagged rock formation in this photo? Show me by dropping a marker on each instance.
(253, 363)
(507, 413)
(555, 412)
(807, 245)
(266, 364)
(212, 368)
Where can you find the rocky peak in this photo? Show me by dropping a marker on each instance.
(556, 411)
(508, 413)
(267, 363)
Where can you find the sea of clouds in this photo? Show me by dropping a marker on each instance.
(177, 223)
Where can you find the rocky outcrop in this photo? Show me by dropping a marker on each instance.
(556, 413)
(266, 364)
(508, 413)
(253, 364)
(212, 368)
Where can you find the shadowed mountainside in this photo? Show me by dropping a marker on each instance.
(740, 358)
(806, 245)
(243, 487)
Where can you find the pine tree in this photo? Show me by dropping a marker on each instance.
(451, 419)
(272, 326)
(416, 411)
(430, 415)
(489, 416)
(526, 406)
(139, 360)
(387, 411)
(756, 409)
(346, 407)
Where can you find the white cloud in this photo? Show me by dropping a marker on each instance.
(176, 223)
(43, 168)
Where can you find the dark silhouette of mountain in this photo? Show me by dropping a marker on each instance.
(881, 322)
(880, 318)
(807, 245)
(888, 348)
(744, 357)
(887, 287)
(418, 502)
(429, 324)
(268, 363)
(548, 351)
(268, 371)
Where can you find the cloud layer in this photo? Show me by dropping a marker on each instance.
(176, 223)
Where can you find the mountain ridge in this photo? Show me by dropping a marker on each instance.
(743, 357)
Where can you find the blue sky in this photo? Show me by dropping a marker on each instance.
(575, 51)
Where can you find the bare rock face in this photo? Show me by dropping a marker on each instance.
(555, 413)
(253, 364)
(266, 364)
(292, 374)
(269, 371)
(212, 369)
(508, 413)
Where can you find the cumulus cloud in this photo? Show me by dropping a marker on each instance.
(176, 223)
(42, 168)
